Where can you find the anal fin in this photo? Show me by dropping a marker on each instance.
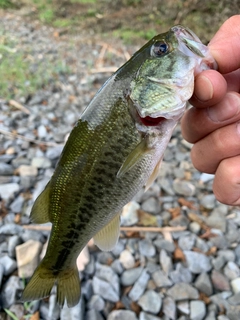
(40, 209)
(108, 236)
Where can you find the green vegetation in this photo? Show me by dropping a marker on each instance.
(132, 21)
(20, 75)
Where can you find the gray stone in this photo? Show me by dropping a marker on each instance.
(8, 190)
(197, 262)
(54, 153)
(220, 299)
(17, 204)
(218, 262)
(41, 131)
(169, 308)
(147, 316)
(41, 162)
(9, 265)
(96, 302)
(17, 310)
(217, 220)
(197, 310)
(165, 261)
(32, 235)
(119, 247)
(182, 291)
(122, 315)
(181, 274)
(195, 227)
(130, 276)
(6, 169)
(235, 299)
(75, 313)
(27, 255)
(202, 245)
(105, 257)
(151, 205)
(139, 286)
(146, 248)
(1, 274)
(231, 270)
(53, 309)
(183, 307)
(93, 314)
(9, 291)
(117, 267)
(219, 281)
(186, 242)
(27, 170)
(161, 279)
(233, 312)
(129, 214)
(166, 186)
(203, 284)
(104, 289)
(208, 201)
(13, 241)
(106, 273)
(127, 259)
(151, 301)
(164, 244)
(236, 285)
(184, 188)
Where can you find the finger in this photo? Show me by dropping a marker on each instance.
(225, 45)
(198, 123)
(233, 80)
(209, 88)
(226, 185)
(223, 143)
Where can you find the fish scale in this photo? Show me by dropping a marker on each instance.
(113, 151)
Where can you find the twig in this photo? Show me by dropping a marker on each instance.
(19, 106)
(19, 136)
(134, 229)
(103, 70)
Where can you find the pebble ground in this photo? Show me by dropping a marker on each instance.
(187, 273)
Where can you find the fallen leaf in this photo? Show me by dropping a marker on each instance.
(178, 254)
(204, 298)
(119, 305)
(175, 212)
(146, 219)
(135, 307)
(35, 316)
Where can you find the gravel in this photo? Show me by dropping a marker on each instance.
(191, 274)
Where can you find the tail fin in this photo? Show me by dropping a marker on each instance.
(42, 281)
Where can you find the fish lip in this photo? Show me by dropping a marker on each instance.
(191, 45)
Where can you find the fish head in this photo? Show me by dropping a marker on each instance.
(164, 80)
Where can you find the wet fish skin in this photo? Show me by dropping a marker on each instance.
(112, 152)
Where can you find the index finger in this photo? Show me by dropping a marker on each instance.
(225, 45)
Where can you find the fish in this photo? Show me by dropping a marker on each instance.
(114, 150)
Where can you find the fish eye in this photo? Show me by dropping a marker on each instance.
(159, 48)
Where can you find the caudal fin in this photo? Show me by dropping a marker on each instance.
(42, 281)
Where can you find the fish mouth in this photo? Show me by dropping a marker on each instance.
(191, 45)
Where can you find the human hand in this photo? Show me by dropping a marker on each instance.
(213, 124)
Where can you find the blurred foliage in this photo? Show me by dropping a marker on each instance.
(132, 21)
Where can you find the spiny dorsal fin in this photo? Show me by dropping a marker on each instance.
(108, 236)
(40, 209)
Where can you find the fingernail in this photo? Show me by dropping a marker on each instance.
(226, 109)
(203, 89)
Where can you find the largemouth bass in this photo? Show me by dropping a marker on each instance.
(115, 149)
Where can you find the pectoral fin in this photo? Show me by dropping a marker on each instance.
(134, 157)
(107, 237)
(40, 209)
(153, 175)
